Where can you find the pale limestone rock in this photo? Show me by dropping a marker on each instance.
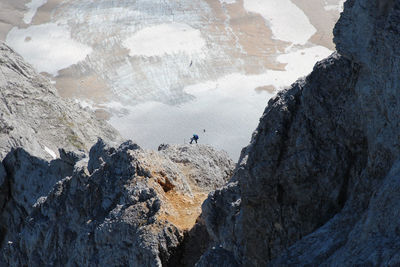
(34, 117)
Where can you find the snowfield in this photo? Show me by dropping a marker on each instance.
(287, 21)
(48, 47)
(174, 37)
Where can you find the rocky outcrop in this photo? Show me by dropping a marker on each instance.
(317, 185)
(121, 206)
(206, 169)
(34, 117)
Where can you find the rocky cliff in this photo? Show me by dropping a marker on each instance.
(318, 185)
(33, 116)
(120, 206)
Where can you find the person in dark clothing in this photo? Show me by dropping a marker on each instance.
(194, 138)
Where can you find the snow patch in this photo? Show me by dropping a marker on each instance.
(85, 104)
(164, 39)
(286, 20)
(48, 47)
(33, 7)
(338, 7)
(300, 62)
(50, 152)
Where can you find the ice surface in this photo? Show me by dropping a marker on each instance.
(33, 6)
(48, 47)
(163, 39)
(287, 21)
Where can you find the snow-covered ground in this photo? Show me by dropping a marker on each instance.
(167, 69)
(287, 21)
(171, 38)
(48, 47)
(50, 152)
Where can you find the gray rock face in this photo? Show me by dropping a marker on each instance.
(34, 117)
(317, 184)
(26, 180)
(206, 168)
(218, 257)
(124, 207)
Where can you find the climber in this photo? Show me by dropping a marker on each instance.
(194, 138)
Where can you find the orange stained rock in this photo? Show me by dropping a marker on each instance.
(183, 210)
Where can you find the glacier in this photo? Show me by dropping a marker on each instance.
(160, 71)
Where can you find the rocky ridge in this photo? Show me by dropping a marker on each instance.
(110, 206)
(317, 184)
(33, 116)
(122, 206)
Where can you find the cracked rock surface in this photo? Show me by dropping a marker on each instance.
(122, 206)
(317, 184)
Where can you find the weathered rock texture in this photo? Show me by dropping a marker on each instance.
(34, 117)
(120, 207)
(319, 183)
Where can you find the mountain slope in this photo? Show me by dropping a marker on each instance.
(33, 116)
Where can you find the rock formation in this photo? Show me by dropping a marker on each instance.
(120, 207)
(33, 116)
(318, 185)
